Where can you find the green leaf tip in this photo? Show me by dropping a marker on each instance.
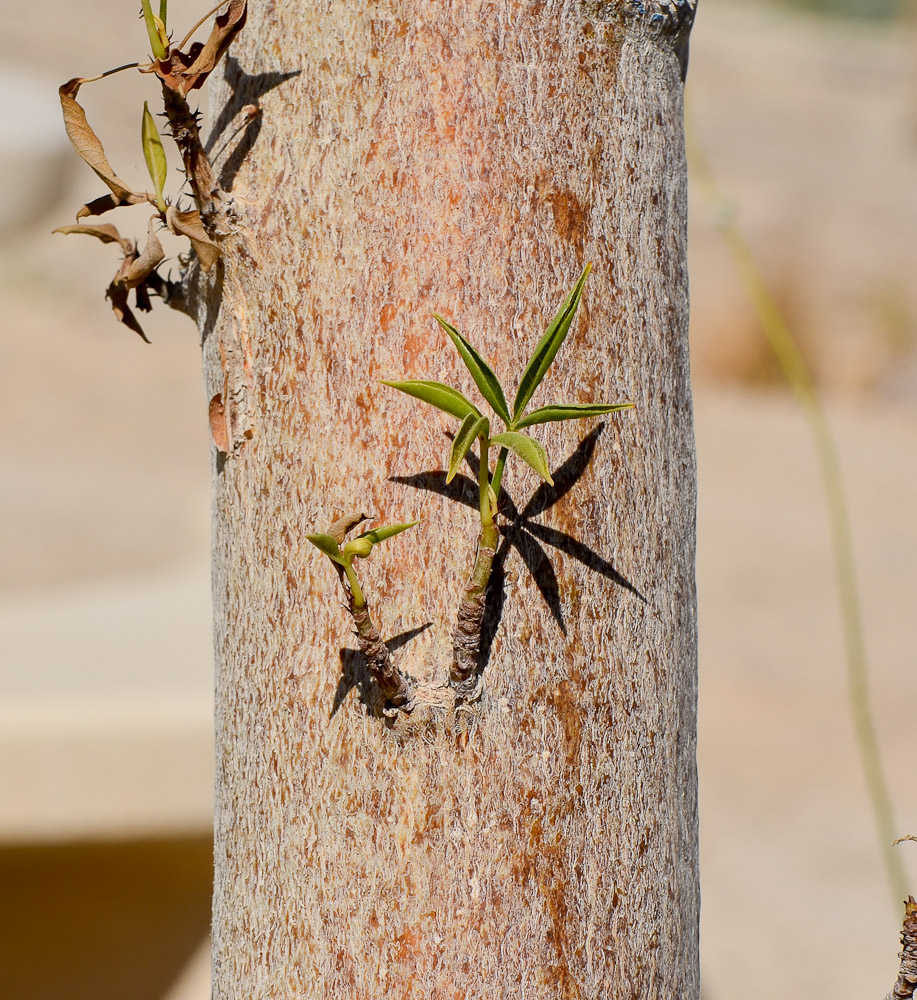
(548, 346)
(528, 449)
(363, 544)
(484, 378)
(154, 155)
(472, 427)
(443, 397)
(568, 411)
(328, 545)
(376, 535)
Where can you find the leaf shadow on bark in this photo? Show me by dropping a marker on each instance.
(355, 674)
(208, 289)
(520, 532)
(247, 90)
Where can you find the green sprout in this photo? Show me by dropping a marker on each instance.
(156, 28)
(475, 426)
(154, 155)
(464, 674)
(397, 686)
(359, 547)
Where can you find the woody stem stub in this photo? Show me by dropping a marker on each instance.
(397, 686)
(466, 639)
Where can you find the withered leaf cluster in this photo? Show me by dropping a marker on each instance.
(183, 72)
(179, 73)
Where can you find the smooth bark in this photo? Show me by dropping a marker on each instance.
(467, 157)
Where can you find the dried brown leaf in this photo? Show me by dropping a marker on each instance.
(87, 144)
(218, 429)
(142, 295)
(184, 72)
(342, 525)
(105, 232)
(225, 28)
(141, 266)
(98, 206)
(117, 294)
(189, 224)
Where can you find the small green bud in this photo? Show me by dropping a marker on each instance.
(358, 547)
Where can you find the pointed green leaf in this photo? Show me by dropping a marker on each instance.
(549, 345)
(443, 397)
(156, 29)
(377, 535)
(163, 8)
(528, 449)
(568, 411)
(472, 427)
(154, 155)
(481, 372)
(326, 544)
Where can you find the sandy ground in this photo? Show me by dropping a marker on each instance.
(104, 508)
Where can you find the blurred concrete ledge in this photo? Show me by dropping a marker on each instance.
(106, 710)
(84, 769)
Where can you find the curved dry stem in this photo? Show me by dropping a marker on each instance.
(797, 374)
(190, 34)
(111, 72)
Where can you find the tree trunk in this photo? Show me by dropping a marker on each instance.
(467, 157)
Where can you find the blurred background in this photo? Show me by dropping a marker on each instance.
(807, 113)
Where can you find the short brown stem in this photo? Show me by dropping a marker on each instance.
(397, 686)
(187, 136)
(466, 639)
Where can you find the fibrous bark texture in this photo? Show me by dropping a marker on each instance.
(468, 157)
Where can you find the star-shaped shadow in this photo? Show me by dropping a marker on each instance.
(527, 536)
(355, 675)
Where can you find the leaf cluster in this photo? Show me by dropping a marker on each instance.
(475, 426)
(179, 72)
(343, 554)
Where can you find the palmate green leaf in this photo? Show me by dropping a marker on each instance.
(377, 535)
(443, 397)
(548, 346)
(528, 449)
(326, 544)
(154, 155)
(568, 411)
(481, 372)
(472, 427)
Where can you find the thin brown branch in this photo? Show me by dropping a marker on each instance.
(190, 34)
(111, 72)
